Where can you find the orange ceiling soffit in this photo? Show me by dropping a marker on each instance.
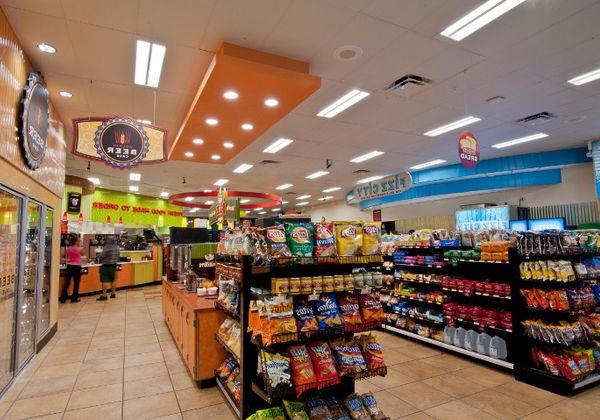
(255, 76)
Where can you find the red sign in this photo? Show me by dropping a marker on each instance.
(377, 215)
(468, 150)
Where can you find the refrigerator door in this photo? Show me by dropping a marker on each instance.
(10, 227)
(44, 287)
(27, 298)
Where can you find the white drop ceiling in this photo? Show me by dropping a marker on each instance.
(526, 56)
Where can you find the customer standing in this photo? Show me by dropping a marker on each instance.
(73, 254)
(109, 259)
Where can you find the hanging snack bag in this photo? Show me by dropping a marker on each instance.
(300, 239)
(274, 413)
(348, 356)
(371, 238)
(277, 370)
(281, 321)
(276, 242)
(327, 312)
(295, 410)
(305, 317)
(371, 309)
(225, 369)
(317, 409)
(355, 407)
(323, 363)
(370, 404)
(335, 408)
(372, 351)
(350, 310)
(303, 374)
(348, 238)
(324, 240)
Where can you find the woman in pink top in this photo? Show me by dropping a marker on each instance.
(73, 254)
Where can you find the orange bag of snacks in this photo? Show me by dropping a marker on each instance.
(303, 373)
(372, 351)
(350, 310)
(371, 309)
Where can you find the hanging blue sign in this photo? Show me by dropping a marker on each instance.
(596, 162)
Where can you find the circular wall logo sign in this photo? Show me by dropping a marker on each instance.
(34, 121)
(121, 142)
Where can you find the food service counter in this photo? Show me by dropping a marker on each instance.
(193, 322)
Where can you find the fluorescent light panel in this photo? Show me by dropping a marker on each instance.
(369, 179)
(343, 103)
(221, 182)
(135, 176)
(519, 140)
(209, 202)
(302, 203)
(277, 145)
(585, 78)
(367, 156)
(316, 174)
(452, 126)
(94, 180)
(149, 60)
(134, 188)
(478, 18)
(275, 209)
(262, 212)
(165, 194)
(428, 164)
(284, 186)
(303, 197)
(144, 121)
(244, 201)
(284, 202)
(327, 197)
(332, 189)
(242, 168)
(188, 199)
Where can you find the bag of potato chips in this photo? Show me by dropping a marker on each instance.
(300, 239)
(324, 240)
(348, 238)
(371, 238)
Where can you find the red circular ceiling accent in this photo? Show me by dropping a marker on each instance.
(273, 199)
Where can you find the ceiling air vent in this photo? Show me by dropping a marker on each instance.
(536, 119)
(407, 85)
(269, 162)
(361, 171)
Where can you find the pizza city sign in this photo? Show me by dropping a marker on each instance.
(389, 185)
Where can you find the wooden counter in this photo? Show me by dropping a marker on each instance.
(193, 322)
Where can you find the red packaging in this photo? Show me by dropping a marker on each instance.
(489, 288)
(372, 351)
(480, 286)
(324, 240)
(301, 365)
(323, 363)
(350, 310)
(371, 309)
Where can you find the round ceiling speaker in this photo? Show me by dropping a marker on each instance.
(347, 53)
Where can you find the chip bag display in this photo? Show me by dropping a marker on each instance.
(303, 374)
(371, 238)
(372, 351)
(276, 242)
(324, 240)
(370, 404)
(348, 238)
(305, 317)
(281, 321)
(277, 370)
(300, 239)
(326, 311)
(323, 363)
(349, 356)
(274, 413)
(225, 369)
(350, 310)
(295, 410)
(371, 309)
(355, 407)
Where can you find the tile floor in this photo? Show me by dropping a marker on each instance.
(116, 360)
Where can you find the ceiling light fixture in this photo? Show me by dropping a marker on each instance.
(369, 179)
(277, 145)
(134, 188)
(211, 121)
(247, 126)
(316, 174)
(228, 145)
(303, 203)
(220, 182)
(367, 156)
(585, 78)
(194, 210)
(258, 208)
(332, 189)
(188, 199)
(135, 176)
(303, 197)
(231, 95)
(46, 48)
(284, 186)
(149, 60)
(478, 18)
(94, 180)
(262, 212)
(428, 164)
(244, 201)
(271, 102)
(284, 202)
(189, 154)
(165, 194)
(327, 197)
(198, 141)
(144, 121)
(276, 209)
(65, 94)
(215, 157)
(452, 126)
(206, 191)
(242, 168)
(209, 202)
(343, 103)
(519, 140)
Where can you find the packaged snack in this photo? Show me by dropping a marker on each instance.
(324, 240)
(300, 239)
(372, 351)
(371, 309)
(328, 284)
(348, 238)
(295, 410)
(280, 286)
(306, 321)
(336, 409)
(350, 310)
(349, 357)
(276, 242)
(274, 413)
(277, 370)
(317, 409)
(303, 374)
(306, 285)
(295, 285)
(370, 404)
(371, 238)
(355, 407)
(225, 369)
(327, 312)
(317, 284)
(281, 321)
(323, 363)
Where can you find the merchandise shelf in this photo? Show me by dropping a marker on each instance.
(227, 348)
(230, 402)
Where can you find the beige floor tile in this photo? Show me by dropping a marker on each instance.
(150, 407)
(458, 410)
(192, 398)
(171, 354)
(419, 369)
(182, 380)
(392, 379)
(537, 397)
(146, 387)
(38, 406)
(137, 332)
(111, 411)
(106, 343)
(365, 386)
(165, 336)
(176, 365)
(485, 376)
(149, 371)
(143, 359)
(98, 365)
(573, 409)
(178, 416)
(142, 339)
(106, 353)
(455, 385)
(62, 359)
(418, 351)
(420, 395)
(499, 405)
(394, 356)
(449, 362)
(48, 372)
(142, 348)
(393, 406)
(589, 396)
(217, 411)
(57, 416)
(95, 396)
(417, 416)
(94, 379)
(38, 387)
(544, 414)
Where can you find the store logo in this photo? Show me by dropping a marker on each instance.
(300, 235)
(349, 232)
(276, 235)
(390, 185)
(33, 130)
(468, 150)
(121, 142)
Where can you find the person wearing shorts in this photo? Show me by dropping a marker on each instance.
(108, 271)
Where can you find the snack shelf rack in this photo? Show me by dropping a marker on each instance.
(490, 295)
(227, 348)
(233, 406)
(229, 311)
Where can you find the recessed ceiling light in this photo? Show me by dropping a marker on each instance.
(244, 201)
(277, 145)
(262, 212)
(65, 94)
(215, 157)
(189, 154)
(47, 48)
(271, 102)
(428, 164)
(188, 199)
(228, 145)
(209, 202)
(519, 140)
(327, 197)
(247, 126)
(332, 189)
(220, 182)
(149, 60)
(275, 209)
(303, 197)
(231, 95)
(198, 141)
(369, 179)
(303, 203)
(366, 156)
(134, 188)
(212, 121)
(258, 208)
(165, 194)
(343, 103)
(452, 126)
(242, 168)
(478, 18)
(144, 121)
(284, 186)
(94, 180)
(316, 174)
(135, 176)
(284, 202)
(207, 191)
(194, 210)
(585, 78)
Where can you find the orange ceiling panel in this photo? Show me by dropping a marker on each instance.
(255, 76)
